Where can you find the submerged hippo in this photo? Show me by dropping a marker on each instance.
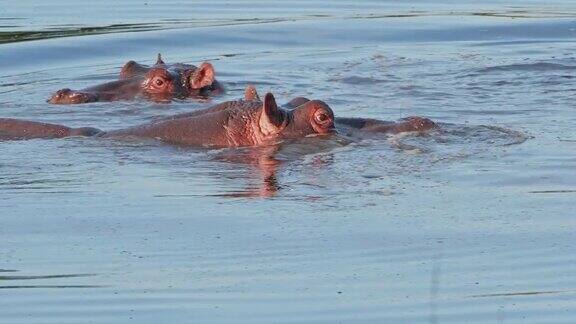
(160, 82)
(229, 124)
(347, 126)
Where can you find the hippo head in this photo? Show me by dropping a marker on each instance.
(312, 118)
(162, 82)
(68, 96)
(192, 80)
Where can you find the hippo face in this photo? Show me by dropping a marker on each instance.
(161, 82)
(312, 118)
(309, 117)
(191, 78)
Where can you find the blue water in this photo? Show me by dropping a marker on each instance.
(470, 224)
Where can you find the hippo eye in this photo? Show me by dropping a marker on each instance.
(159, 82)
(322, 118)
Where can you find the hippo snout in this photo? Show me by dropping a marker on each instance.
(68, 96)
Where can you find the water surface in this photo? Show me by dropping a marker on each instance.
(473, 223)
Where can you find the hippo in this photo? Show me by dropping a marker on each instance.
(350, 126)
(160, 82)
(229, 124)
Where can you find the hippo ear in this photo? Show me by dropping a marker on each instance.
(203, 76)
(272, 117)
(250, 94)
(159, 59)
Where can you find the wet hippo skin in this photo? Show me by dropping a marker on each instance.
(15, 129)
(343, 125)
(346, 125)
(160, 82)
(229, 124)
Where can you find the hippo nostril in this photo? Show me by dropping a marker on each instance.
(63, 92)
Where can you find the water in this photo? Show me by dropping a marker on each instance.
(473, 223)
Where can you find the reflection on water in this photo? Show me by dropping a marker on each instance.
(7, 281)
(266, 165)
(456, 225)
(22, 36)
(48, 286)
(44, 277)
(524, 293)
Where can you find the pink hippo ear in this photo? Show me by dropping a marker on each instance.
(203, 76)
(272, 117)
